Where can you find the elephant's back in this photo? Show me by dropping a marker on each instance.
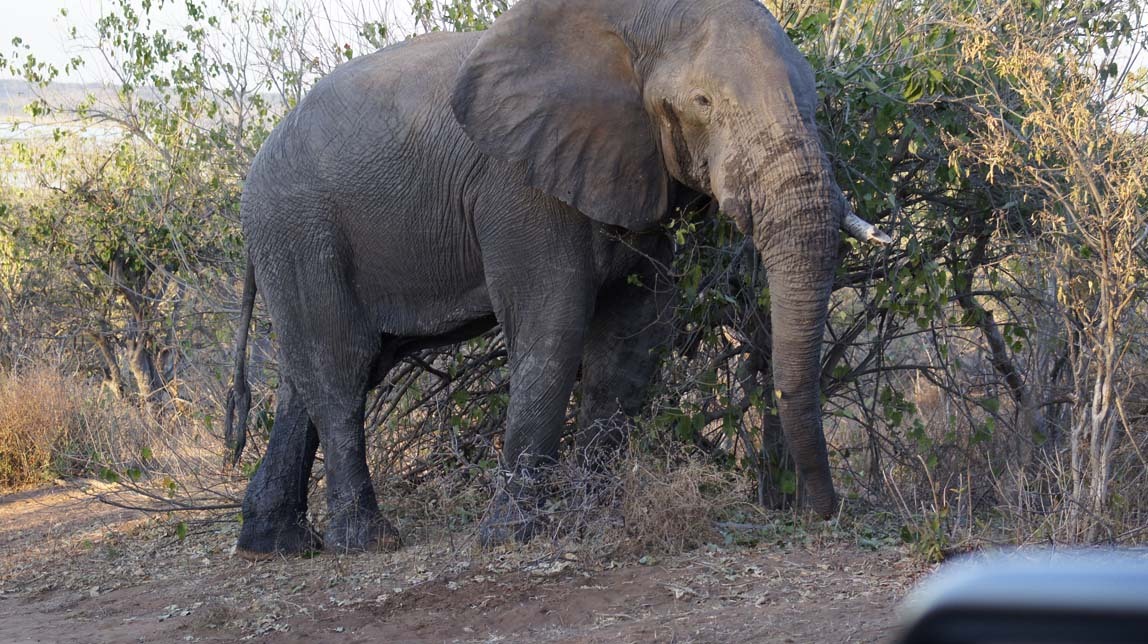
(368, 110)
(372, 171)
(363, 146)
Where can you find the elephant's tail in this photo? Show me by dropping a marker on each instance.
(239, 395)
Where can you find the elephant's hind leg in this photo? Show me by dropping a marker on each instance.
(275, 507)
(342, 363)
(626, 340)
(355, 523)
(330, 355)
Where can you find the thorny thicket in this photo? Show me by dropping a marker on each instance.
(981, 375)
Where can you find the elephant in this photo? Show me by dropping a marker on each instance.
(519, 176)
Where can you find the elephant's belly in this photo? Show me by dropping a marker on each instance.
(418, 272)
(428, 310)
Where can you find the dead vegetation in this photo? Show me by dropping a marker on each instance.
(110, 575)
(40, 419)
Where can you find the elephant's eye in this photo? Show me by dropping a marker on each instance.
(701, 100)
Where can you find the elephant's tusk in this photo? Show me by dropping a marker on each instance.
(863, 230)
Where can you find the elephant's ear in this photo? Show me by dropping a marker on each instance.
(553, 85)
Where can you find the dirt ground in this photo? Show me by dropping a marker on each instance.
(77, 570)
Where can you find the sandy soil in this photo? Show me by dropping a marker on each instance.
(77, 570)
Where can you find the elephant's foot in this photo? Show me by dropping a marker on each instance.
(263, 538)
(361, 531)
(510, 518)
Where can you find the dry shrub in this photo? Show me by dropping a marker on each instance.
(438, 507)
(41, 418)
(638, 502)
(53, 425)
(662, 501)
(669, 506)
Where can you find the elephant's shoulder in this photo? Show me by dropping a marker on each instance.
(409, 72)
(439, 39)
(423, 54)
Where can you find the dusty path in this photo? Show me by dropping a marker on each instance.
(75, 570)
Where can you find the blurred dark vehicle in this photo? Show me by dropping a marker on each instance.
(1034, 597)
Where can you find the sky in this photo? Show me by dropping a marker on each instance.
(40, 24)
(38, 21)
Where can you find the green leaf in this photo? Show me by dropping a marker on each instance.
(788, 482)
(913, 90)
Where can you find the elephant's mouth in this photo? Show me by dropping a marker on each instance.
(740, 211)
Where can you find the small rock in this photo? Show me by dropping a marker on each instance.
(551, 569)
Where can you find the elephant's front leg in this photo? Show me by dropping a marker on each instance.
(544, 354)
(275, 506)
(624, 346)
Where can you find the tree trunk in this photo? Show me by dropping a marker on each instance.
(113, 378)
(141, 362)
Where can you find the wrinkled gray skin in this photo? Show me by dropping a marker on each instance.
(423, 193)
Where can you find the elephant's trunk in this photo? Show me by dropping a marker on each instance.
(798, 303)
(796, 230)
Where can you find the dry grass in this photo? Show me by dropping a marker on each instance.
(662, 502)
(642, 503)
(56, 425)
(670, 507)
(41, 420)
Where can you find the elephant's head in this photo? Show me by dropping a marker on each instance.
(607, 103)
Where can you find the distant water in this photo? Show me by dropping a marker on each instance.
(19, 177)
(39, 131)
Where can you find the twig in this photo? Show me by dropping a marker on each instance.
(178, 507)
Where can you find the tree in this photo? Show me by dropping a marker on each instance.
(129, 210)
